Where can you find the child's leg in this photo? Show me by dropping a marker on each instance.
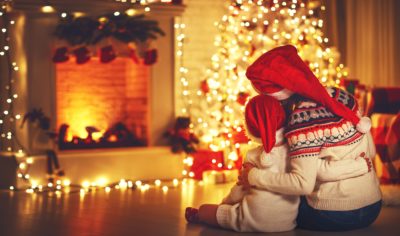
(208, 214)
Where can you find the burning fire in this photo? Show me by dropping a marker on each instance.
(92, 98)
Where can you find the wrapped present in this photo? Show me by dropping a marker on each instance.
(206, 160)
(380, 98)
(220, 176)
(386, 134)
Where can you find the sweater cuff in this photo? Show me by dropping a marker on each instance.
(223, 215)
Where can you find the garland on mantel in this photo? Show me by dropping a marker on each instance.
(80, 32)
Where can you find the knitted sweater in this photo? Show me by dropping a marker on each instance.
(315, 133)
(258, 210)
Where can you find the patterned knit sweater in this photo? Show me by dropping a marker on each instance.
(314, 132)
(312, 127)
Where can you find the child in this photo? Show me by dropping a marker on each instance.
(256, 210)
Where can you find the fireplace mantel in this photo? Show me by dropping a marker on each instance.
(34, 45)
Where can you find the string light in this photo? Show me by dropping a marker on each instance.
(248, 30)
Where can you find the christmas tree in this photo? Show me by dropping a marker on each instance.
(249, 29)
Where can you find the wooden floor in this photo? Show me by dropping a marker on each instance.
(133, 212)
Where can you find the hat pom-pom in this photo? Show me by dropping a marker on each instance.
(364, 125)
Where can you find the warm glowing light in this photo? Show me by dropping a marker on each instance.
(86, 184)
(123, 184)
(22, 166)
(130, 12)
(66, 182)
(48, 9)
(157, 182)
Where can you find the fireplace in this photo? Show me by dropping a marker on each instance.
(102, 105)
(126, 105)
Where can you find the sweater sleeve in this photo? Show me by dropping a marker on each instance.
(329, 171)
(299, 181)
(236, 194)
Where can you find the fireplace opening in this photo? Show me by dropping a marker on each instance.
(102, 105)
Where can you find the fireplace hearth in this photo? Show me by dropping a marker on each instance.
(117, 136)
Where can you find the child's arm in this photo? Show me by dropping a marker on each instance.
(329, 171)
(256, 157)
(235, 195)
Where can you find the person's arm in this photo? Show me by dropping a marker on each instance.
(299, 181)
(329, 171)
(236, 194)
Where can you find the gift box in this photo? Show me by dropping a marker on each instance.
(386, 134)
(206, 160)
(220, 176)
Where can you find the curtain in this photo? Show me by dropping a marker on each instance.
(367, 33)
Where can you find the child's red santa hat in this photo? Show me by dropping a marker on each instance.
(264, 119)
(280, 72)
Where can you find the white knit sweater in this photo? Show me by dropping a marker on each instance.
(342, 195)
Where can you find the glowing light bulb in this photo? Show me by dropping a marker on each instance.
(47, 9)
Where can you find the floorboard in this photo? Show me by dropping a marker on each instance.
(134, 212)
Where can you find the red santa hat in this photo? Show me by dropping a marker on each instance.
(264, 119)
(280, 72)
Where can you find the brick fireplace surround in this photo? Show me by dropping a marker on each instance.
(34, 48)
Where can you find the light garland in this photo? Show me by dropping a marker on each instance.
(65, 185)
(8, 139)
(248, 30)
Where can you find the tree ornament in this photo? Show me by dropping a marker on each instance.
(150, 57)
(242, 98)
(107, 54)
(204, 87)
(60, 55)
(82, 55)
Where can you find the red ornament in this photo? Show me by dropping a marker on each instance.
(242, 98)
(204, 86)
(150, 57)
(82, 55)
(60, 55)
(107, 54)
